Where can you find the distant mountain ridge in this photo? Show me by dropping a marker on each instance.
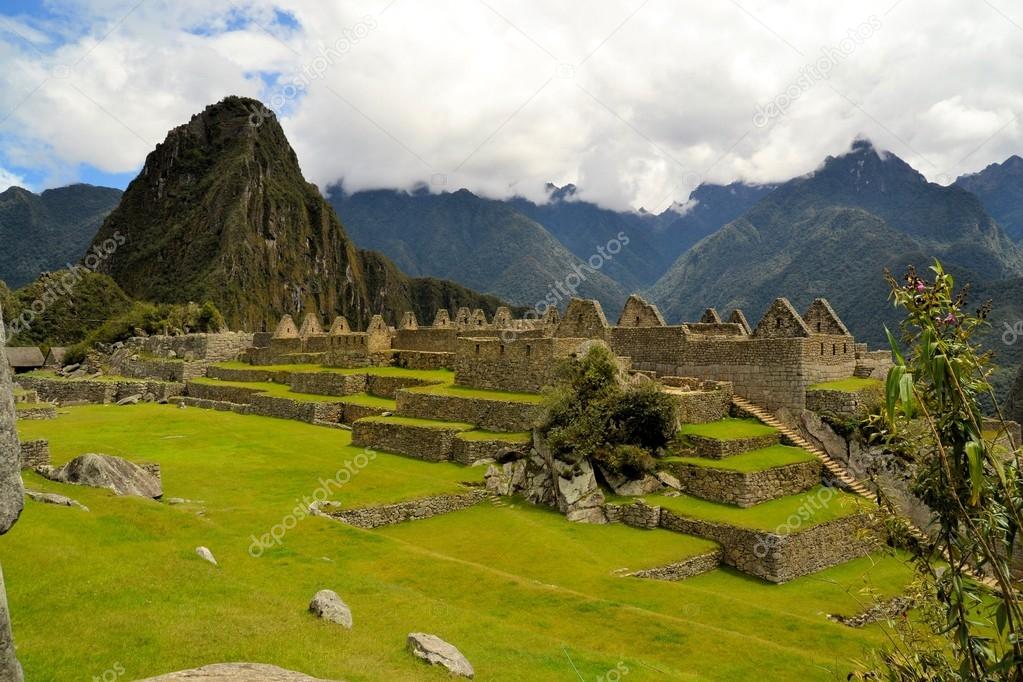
(47, 231)
(482, 243)
(1000, 188)
(832, 233)
(221, 212)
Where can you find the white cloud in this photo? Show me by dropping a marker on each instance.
(9, 179)
(635, 102)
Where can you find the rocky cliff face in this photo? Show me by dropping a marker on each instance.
(222, 212)
(11, 500)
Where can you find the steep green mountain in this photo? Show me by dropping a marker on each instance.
(832, 233)
(221, 212)
(1000, 188)
(481, 243)
(43, 232)
(654, 241)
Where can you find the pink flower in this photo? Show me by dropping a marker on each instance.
(920, 286)
(950, 319)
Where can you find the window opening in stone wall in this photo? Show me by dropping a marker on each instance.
(477, 349)
(834, 349)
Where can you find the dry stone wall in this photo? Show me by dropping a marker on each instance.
(715, 448)
(523, 365)
(846, 404)
(415, 359)
(413, 510)
(433, 444)
(96, 391)
(680, 570)
(490, 415)
(327, 383)
(745, 489)
(35, 453)
(469, 452)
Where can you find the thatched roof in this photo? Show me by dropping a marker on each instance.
(24, 357)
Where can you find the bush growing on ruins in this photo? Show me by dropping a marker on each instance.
(152, 319)
(593, 411)
(933, 409)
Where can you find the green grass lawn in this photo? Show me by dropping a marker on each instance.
(849, 385)
(728, 429)
(441, 376)
(754, 460)
(467, 392)
(367, 400)
(522, 592)
(276, 390)
(513, 437)
(425, 423)
(782, 515)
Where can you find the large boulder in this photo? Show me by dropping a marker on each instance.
(436, 651)
(105, 471)
(235, 672)
(12, 499)
(328, 606)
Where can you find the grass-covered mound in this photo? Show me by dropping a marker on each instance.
(752, 461)
(728, 429)
(522, 592)
(782, 515)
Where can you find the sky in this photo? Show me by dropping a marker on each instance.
(634, 101)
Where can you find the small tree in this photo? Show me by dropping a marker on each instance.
(933, 399)
(595, 411)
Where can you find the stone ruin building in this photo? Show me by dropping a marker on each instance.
(771, 364)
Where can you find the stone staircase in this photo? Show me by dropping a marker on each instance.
(834, 468)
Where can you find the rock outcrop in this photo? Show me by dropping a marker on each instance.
(327, 605)
(223, 202)
(12, 498)
(53, 498)
(436, 651)
(235, 672)
(105, 471)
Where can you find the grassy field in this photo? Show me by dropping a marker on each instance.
(467, 392)
(781, 515)
(510, 437)
(425, 423)
(849, 385)
(728, 429)
(754, 460)
(441, 376)
(522, 592)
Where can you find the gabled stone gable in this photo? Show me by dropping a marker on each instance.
(821, 318)
(639, 313)
(781, 321)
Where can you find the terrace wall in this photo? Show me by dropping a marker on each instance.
(745, 489)
(490, 415)
(95, 391)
